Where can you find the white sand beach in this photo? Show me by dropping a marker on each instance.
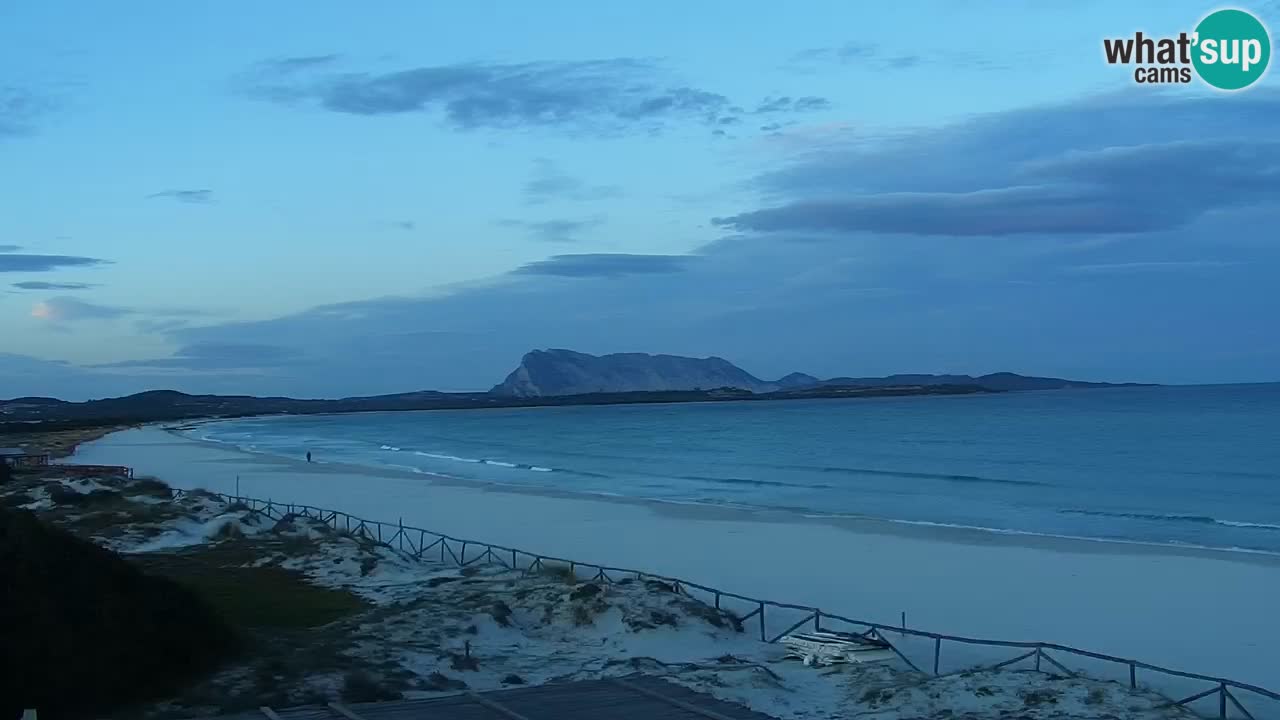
(1200, 611)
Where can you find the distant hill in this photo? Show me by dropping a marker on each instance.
(550, 373)
(544, 377)
(1001, 381)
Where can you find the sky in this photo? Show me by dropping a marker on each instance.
(317, 199)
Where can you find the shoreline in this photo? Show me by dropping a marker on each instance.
(381, 623)
(1112, 598)
(694, 510)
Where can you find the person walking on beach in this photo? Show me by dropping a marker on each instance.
(308, 456)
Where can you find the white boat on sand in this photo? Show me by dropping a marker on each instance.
(825, 647)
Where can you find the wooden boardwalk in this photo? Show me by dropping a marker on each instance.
(631, 698)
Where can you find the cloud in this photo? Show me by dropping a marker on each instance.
(554, 231)
(217, 356)
(198, 197)
(10, 248)
(297, 64)
(402, 225)
(873, 56)
(66, 309)
(786, 104)
(591, 96)
(606, 265)
(40, 285)
(549, 183)
(993, 176)
(1175, 299)
(58, 310)
(20, 109)
(19, 262)
(1126, 268)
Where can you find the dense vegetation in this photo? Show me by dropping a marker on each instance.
(44, 415)
(86, 632)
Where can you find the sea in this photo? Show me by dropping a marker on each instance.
(1192, 466)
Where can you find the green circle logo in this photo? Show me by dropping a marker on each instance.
(1232, 49)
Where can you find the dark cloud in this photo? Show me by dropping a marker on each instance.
(1005, 211)
(20, 109)
(10, 248)
(593, 96)
(21, 262)
(40, 285)
(199, 197)
(606, 265)
(555, 231)
(997, 176)
(549, 183)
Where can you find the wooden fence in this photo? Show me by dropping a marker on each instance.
(1230, 697)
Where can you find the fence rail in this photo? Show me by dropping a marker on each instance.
(417, 542)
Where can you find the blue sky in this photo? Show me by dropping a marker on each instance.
(318, 199)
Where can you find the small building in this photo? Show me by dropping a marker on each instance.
(18, 458)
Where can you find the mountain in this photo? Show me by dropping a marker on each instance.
(551, 373)
(547, 373)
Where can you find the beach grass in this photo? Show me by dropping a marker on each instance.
(255, 598)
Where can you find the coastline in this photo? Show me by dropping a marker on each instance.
(701, 511)
(1144, 602)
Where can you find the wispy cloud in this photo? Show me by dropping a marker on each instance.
(217, 356)
(1126, 268)
(785, 104)
(873, 56)
(554, 231)
(198, 197)
(549, 183)
(58, 310)
(20, 109)
(298, 64)
(24, 262)
(40, 285)
(607, 265)
(590, 96)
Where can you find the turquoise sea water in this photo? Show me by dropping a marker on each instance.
(1185, 465)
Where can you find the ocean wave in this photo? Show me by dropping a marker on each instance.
(979, 479)
(392, 448)
(1174, 517)
(750, 481)
(455, 458)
